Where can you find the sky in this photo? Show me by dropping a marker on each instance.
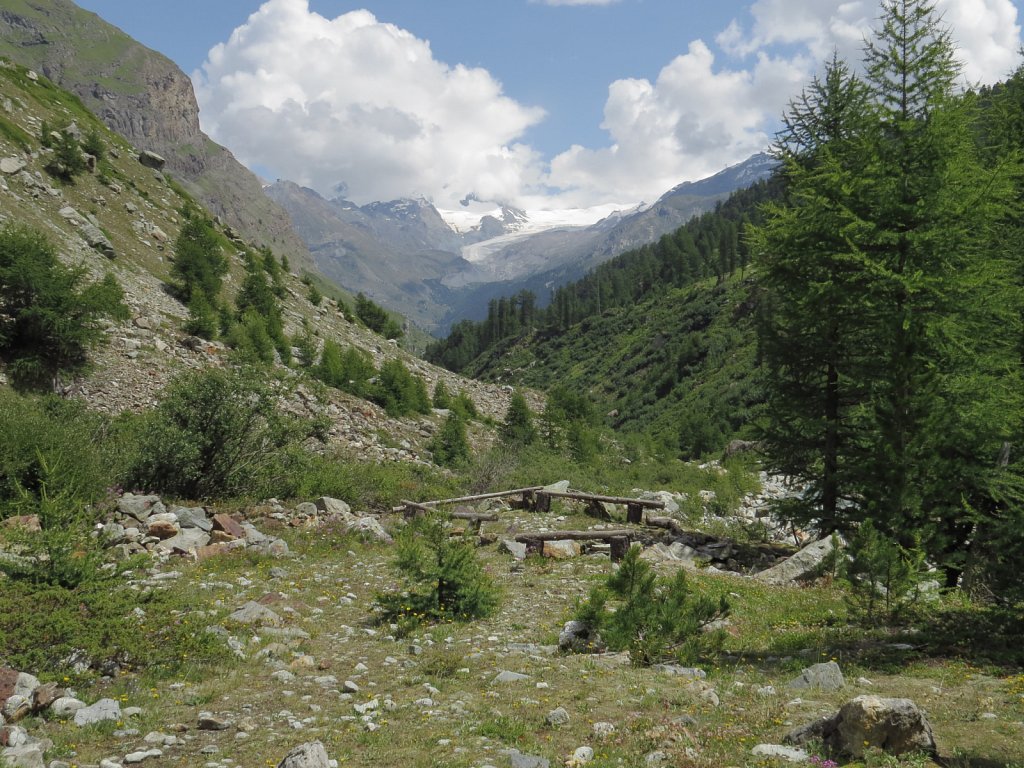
(532, 103)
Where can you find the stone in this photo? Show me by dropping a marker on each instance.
(562, 549)
(25, 756)
(562, 486)
(139, 507)
(192, 517)
(825, 677)
(66, 706)
(693, 673)
(152, 160)
(515, 548)
(230, 526)
(335, 508)
(16, 708)
(577, 637)
(186, 540)
(210, 722)
(25, 684)
(557, 717)
(254, 613)
(8, 680)
(895, 726)
(790, 754)
(671, 505)
(13, 736)
(509, 677)
(803, 565)
(581, 756)
(162, 529)
(104, 709)
(370, 528)
(309, 755)
(133, 758)
(519, 760)
(11, 165)
(603, 730)
(95, 238)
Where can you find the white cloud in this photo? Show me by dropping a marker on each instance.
(986, 31)
(355, 101)
(690, 123)
(359, 102)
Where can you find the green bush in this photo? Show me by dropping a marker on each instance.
(48, 318)
(219, 434)
(441, 399)
(56, 442)
(449, 446)
(399, 392)
(67, 160)
(444, 580)
(882, 575)
(518, 429)
(654, 619)
(199, 261)
(349, 369)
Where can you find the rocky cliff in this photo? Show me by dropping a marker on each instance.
(145, 97)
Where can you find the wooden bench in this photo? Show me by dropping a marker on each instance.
(618, 539)
(634, 507)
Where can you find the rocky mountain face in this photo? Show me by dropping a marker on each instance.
(405, 256)
(122, 218)
(146, 98)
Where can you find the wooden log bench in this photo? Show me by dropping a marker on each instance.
(618, 539)
(412, 508)
(634, 507)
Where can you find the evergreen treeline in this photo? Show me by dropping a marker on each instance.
(710, 246)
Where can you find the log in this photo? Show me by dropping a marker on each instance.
(477, 517)
(460, 499)
(611, 533)
(649, 503)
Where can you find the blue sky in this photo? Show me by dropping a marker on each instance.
(535, 102)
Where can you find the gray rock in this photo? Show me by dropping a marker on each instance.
(254, 613)
(895, 726)
(562, 486)
(152, 160)
(16, 708)
(333, 507)
(803, 565)
(309, 755)
(139, 507)
(94, 236)
(790, 754)
(25, 756)
(509, 677)
(133, 758)
(66, 706)
(671, 505)
(104, 709)
(11, 165)
(210, 722)
(515, 548)
(26, 684)
(519, 760)
(193, 517)
(693, 673)
(369, 528)
(557, 717)
(825, 677)
(186, 540)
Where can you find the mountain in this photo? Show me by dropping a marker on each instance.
(439, 267)
(146, 98)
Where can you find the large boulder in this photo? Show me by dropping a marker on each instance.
(309, 755)
(823, 677)
(805, 564)
(895, 726)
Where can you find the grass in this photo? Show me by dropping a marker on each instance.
(774, 633)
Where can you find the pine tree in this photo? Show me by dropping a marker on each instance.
(518, 429)
(198, 260)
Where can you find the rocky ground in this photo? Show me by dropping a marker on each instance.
(311, 666)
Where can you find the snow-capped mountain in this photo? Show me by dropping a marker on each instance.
(438, 267)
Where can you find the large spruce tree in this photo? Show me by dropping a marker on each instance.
(903, 382)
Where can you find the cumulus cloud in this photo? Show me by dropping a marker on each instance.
(691, 122)
(362, 103)
(355, 102)
(986, 31)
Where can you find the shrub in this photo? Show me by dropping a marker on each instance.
(199, 261)
(883, 576)
(654, 619)
(441, 398)
(399, 392)
(349, 370)
(67, 160)
(218, 434)
(202, 316)
(449, 446)
(444, 580)
(518, 429)
(48, 318)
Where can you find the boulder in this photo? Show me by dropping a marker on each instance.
(254, 613)
(11, 165)
(515, 548)
(309, 755)
(94, 236)
(104, 709)
(25, 756)
(66, 706)
(192, 517)
(152, 160)
(335, 508)
(139, 507)
(803, 565)
(790, 754)
(824, 677)
(369, 527)
(562, 549)
(666, 498)
(895, 726)
(578, 637)
(186, 541)
(229, 525)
